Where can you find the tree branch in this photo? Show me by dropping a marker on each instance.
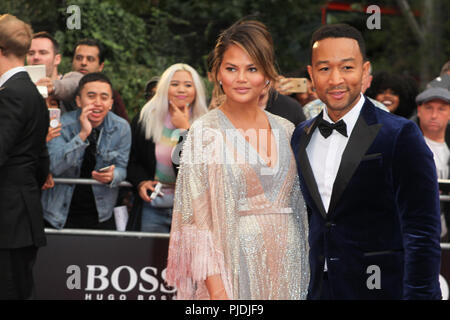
(407, 12)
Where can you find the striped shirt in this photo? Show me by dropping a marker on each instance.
(163, 151)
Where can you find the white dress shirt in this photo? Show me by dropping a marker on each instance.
(325, 154)
(8, 74)
(441, 154)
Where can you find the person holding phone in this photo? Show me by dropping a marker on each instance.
(178, 101)
(94, 144)
(239, 228)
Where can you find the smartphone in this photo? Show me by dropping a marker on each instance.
(157, 191)
(104, 169)
(55, 115)
(298, 85)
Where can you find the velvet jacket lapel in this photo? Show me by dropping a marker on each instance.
(363, 134)
(306, 169)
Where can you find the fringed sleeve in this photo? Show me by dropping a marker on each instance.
(195, 252)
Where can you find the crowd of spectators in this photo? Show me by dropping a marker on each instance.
(111, 151)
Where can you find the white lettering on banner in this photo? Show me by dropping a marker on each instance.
(99, 278)
(162, 288)
(101, 296)
(92, 277)
(149, 279)
(115, 279)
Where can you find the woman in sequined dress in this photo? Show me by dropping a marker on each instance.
(239, 228)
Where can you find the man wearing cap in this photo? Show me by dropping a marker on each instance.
(433, 114)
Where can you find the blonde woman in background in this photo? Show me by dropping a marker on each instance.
(179, 100)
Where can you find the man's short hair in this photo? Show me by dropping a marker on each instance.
(92, 77)
(92, 43)
(46, 35)
(340, 30)
(15, 36)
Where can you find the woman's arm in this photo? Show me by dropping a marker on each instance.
(216, 288)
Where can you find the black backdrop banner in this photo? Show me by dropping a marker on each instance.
(103, 265)
(96, 265)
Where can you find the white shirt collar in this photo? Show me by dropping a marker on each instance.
(350, 117)
(8, 74)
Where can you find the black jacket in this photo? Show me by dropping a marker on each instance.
(24, 162)
(141, 167)
(285, 107)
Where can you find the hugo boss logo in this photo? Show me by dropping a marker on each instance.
(100, 282)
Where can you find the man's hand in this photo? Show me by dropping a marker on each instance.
(144, 187)
(179, 116)
(86, 126)
(46, 82)
(49, 183)
(282, 85)
(104, 176)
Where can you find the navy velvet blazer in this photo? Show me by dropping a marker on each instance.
(383, 220)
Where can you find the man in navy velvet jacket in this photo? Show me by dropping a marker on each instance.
(370, 185)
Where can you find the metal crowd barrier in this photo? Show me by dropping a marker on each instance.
(443, 198)
(86, 181)
(106, 233)
(99, 232)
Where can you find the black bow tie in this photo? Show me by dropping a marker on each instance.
(326, 128)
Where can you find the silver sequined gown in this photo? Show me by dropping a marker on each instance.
(235, 216)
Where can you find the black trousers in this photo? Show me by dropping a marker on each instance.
(16, 273)
(325, 293)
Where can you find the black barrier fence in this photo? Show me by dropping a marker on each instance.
(111, 265)
(104, 265)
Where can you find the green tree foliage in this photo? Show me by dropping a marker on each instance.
(395, 47)
(196, 24)
(37, 13)
(144, 37)
(128, 60)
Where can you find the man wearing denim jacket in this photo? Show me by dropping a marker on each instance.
(94, 143)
